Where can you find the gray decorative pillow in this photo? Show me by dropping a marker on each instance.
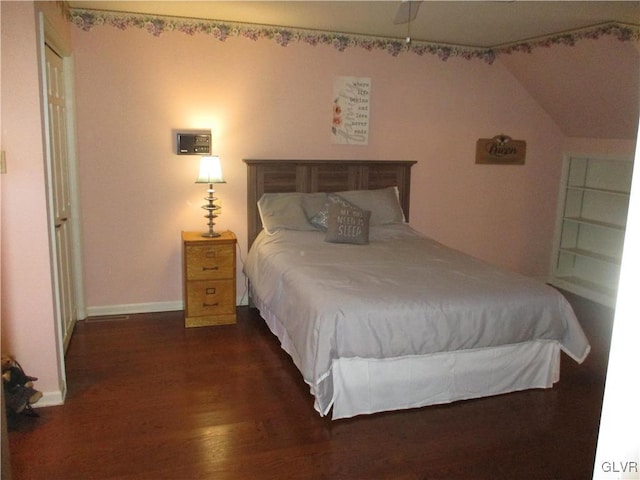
(321, 219)
(383, 203)
(347, 223)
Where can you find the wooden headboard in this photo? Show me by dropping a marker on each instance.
(279, 176)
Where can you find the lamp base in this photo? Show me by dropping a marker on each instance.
(210, 234)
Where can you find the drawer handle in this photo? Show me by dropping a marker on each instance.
(204, 269)
(210, 291)
(210, 304)
(210, 254)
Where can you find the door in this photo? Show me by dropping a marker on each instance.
(60, 192)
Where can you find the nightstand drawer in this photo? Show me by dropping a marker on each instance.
(210, 297)
(209, 261)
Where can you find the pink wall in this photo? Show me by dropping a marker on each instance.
(591, 89)
(266, 101)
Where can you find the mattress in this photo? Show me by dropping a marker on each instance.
(401, 296)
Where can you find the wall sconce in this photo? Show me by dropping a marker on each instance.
(210, 172)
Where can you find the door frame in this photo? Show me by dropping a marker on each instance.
(50, 36)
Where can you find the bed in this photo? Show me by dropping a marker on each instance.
(377, 316)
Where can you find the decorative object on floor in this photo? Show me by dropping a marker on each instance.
(210, 172)
(501, 150)
(18, 388)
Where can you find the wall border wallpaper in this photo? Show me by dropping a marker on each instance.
(157, 25)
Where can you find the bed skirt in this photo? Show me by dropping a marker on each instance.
(363, 385)
(358, 386)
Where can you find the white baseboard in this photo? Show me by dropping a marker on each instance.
(242, 301)
(51, 399)
(132, 308)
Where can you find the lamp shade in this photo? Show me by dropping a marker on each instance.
(210, 170)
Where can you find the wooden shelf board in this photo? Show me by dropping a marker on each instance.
(587, 289)
(589, 254)
(588, 284)
(598, 190)
(597, 223)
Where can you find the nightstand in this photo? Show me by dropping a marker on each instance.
(209, 279)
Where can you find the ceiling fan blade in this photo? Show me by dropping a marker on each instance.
(407, 11)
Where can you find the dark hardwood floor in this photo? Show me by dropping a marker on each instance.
(148, 399)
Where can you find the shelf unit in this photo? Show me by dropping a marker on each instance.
(590, 228)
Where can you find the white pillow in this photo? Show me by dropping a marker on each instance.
(383, 203)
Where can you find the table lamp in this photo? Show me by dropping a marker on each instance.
(210, 172)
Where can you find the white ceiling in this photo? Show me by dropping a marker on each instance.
(468, 23)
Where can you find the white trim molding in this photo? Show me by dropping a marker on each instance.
(132, 308)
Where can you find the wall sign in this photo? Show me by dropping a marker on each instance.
(501, 149)
(351, 98)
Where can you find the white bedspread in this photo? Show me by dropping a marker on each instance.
(403, 294)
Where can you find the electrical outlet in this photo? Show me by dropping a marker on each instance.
(3, 162)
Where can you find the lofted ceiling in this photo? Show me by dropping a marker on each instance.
(586, 91)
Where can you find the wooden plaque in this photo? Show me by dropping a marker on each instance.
(500, 150)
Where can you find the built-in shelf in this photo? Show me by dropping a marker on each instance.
(592, 213)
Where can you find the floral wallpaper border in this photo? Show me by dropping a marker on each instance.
(157, 25)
